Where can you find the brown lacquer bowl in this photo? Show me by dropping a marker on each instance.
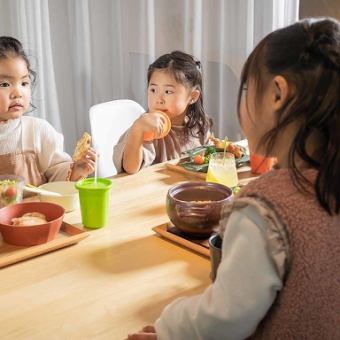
(34, 234)
(195, 207)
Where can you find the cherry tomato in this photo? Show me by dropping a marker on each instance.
(198, 159)
(10, 192)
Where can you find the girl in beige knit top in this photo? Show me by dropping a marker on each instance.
(174, 88)
(279, 273)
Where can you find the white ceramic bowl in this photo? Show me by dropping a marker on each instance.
(69, 198)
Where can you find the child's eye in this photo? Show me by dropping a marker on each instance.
(4, 84)
(26, 83)
(152, 90)
(169, 92)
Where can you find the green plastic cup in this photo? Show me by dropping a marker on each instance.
(94, 201)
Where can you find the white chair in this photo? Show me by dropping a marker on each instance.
(108, 122)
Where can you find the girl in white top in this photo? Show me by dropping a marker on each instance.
(30, 147)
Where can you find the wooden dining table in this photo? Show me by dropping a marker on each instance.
(113, 282)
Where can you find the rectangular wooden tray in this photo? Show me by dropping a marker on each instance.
(244, 173)
(167, 231)
(68, 234)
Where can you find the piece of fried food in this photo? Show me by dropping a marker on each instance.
(230, 147)
(33, 218)
(82, 147)
(218, 143)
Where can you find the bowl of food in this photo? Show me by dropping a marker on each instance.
(30, 223)
(195, 207)
(69, 196)
(11, 189)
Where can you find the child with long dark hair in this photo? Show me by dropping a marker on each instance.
(280, 268)
(174, 88)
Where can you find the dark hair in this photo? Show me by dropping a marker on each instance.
(307, 55)
(187, 71)
(10, 47)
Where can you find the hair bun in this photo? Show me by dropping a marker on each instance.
(324, 46)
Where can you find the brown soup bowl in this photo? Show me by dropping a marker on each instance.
(195, 207)
(33, 234)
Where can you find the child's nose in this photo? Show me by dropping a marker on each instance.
(16, 93)
(160, 100)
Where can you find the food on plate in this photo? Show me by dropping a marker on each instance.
(199, 159)
(10, 192)
(230, 147)
(204, 158)
(33, 218)
(235, 150)
(82, 147)
(218, 143)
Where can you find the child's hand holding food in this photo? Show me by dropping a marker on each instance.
(84, 166)
(84, 158)
(152, 125)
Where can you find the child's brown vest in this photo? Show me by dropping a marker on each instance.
(308, 306)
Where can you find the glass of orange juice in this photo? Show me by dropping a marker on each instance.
(222, 169)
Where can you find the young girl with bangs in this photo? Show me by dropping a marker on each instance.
(30, 147)
(174, 88)
(280, 268)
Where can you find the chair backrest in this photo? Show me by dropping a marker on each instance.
(108, 122)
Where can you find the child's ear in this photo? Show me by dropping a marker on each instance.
(195, 94)
(280, 92)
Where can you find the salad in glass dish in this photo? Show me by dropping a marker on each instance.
(11, 189)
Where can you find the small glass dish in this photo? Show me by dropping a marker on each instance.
(11, 189)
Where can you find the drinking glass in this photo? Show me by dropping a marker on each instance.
(222, 169)
(215, 249)
(94, 201)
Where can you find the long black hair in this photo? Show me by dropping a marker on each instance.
(187, 71)
(11, 47)
(307, 55)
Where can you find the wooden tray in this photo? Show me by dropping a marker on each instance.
(244, 173)
(178, 168)
(68, 235)
(167, 230)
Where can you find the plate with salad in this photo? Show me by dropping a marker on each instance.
(197, 159)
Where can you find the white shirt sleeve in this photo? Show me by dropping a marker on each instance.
(54, 162)
(246, 285)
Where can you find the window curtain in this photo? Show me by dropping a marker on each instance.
(91, 51)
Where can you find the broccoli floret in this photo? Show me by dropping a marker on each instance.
(210, 150)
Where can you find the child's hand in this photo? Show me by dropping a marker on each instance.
(147, 333)
(85, 166)
(151, 122)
